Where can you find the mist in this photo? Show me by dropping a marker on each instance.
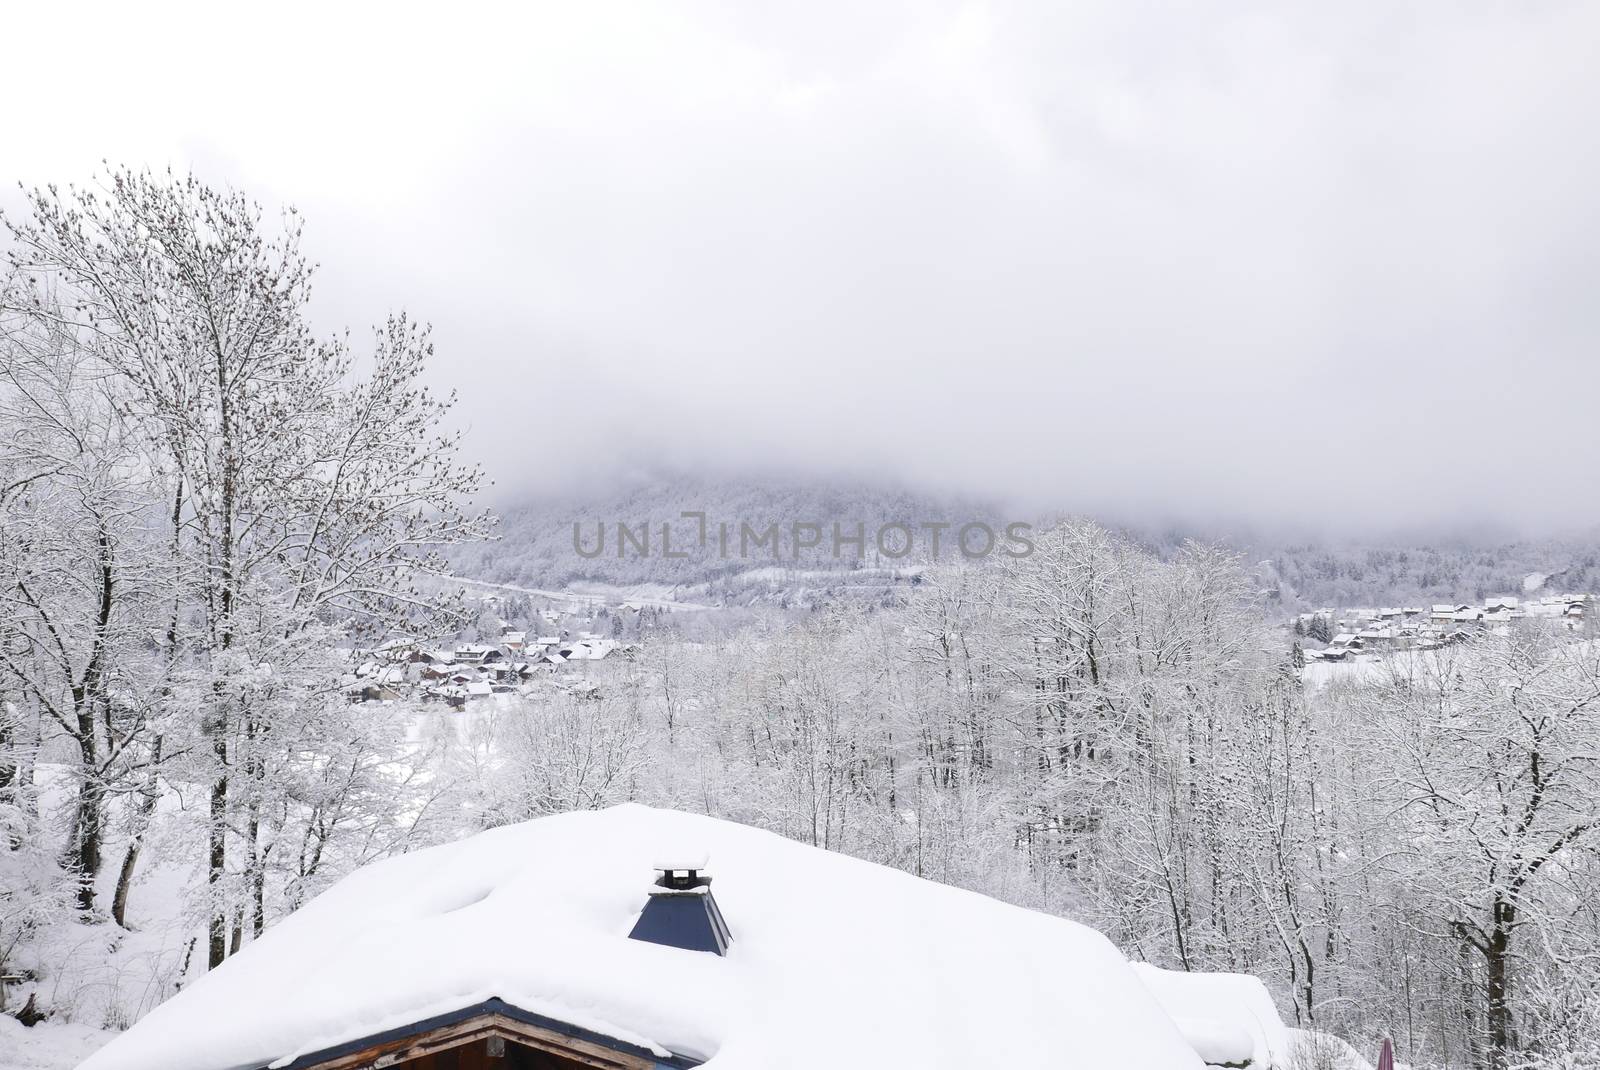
(1323, 266)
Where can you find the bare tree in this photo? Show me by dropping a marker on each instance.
(303, 491)
(69, 574)
(1495, 780)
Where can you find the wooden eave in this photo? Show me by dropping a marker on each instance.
(492, 1018)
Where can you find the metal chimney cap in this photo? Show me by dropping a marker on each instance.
(684, 871)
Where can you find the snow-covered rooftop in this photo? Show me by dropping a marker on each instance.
(1224, 1015)
(833, 961)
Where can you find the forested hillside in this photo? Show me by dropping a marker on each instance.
(535, 546)
(1306, 576)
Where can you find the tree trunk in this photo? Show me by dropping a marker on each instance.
(218, 857)
(141, 824)
(217, 860)
(1497, 964)
(90, 696)
(88, 831)
(255, 877)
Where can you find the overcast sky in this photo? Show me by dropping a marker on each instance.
(1332, 261)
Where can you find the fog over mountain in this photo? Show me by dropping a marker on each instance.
(571, 541)
(1318, 265)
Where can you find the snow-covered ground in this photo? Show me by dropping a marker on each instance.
(1324, 1051)
(49, 1045)
(639, 595)
(98, 979)
(1365, 668)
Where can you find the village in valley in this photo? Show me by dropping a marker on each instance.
(458, 673)
(1351, 635)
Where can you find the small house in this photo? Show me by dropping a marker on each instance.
(474, 653)
(371, 691)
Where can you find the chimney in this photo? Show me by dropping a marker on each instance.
(681, 911)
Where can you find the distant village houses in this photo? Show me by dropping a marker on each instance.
(1351, 634)
(462, 673)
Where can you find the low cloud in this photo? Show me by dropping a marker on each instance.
(1313, 264)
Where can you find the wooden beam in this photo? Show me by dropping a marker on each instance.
(398, 1052)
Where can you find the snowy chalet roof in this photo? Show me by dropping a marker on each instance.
(834, 961)
(1224, 1016)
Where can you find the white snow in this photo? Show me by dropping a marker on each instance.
(1325, 1051)
(1237, 1001)
(94, 976)
(1218, 1043)
(49, 1045)
(834, 961)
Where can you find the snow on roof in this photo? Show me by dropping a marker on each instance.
(1324, 1050)
(682, 858)
(1216, 1005)
(1218, 1043)
(833, 960)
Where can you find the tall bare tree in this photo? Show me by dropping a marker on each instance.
(309, 487)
